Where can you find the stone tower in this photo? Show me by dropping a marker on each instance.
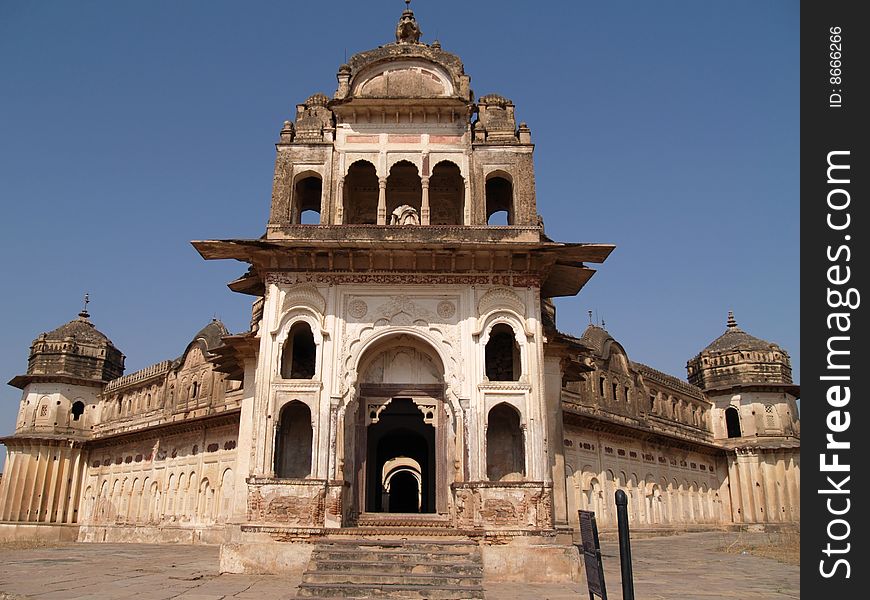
(755, 416)
(394, 377)
(66, 370)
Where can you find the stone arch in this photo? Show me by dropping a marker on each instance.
(360, 191)
(732, 422)
(499, 199)
(299, 352)
(511, 353)
(227, 486)
(446, 194)
(365, 347)
(306, 206)
(404, 186)
(505, 444)
(294, 441)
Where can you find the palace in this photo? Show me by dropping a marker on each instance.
(403, 377)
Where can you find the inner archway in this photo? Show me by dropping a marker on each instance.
(400, 437)
(401, 460)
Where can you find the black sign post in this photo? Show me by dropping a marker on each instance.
(592, 555)
(624, 545)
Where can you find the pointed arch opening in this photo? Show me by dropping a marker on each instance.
(499, 193)
(446, 195)
(299, 353)
(404, 187)
(505, 452)
(361, 194)
(307, 200)
(502, 354)
(732, 422)
(293, 441)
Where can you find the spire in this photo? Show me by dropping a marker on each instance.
(407, 31)
(85, 314)
(732, 324)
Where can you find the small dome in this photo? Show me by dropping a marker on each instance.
(735, 338)
(211, 334)
(81, 329)
(596, 337)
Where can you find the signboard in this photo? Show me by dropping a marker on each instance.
(592, 555)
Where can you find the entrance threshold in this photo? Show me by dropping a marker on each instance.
(426, 520)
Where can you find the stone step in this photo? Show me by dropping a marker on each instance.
(403, 556)
(438, 580)
(415, 545)
(410, 569)
(348, 591)
(422, 566)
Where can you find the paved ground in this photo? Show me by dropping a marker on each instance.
(688, 566)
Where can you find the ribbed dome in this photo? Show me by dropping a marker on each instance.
(79, 328)
(735, 338)
(596, 337)
(211, 334)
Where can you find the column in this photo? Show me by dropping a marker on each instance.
(382, 200)
(424, 207)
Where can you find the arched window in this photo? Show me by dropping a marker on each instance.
(307, 200)
(361, 194)
(293, 443)
(77, 410)
(404, 187)
(505, 455)
(194, 389)
(732, 422)
(446, 195)
(502, 355)
(499, 201)
(299, 353)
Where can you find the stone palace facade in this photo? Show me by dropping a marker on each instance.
(403, 374)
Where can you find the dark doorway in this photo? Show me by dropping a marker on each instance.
(400, 438)
(732, 422)
(404, 493)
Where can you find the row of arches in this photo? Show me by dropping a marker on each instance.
(651, 501)
(505, 444)
(502, 357)
(439, 198)
(184, 498)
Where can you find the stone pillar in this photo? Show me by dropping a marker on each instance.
(9, 483)
(424, 207)
(49, 502)
(339, 203)
(555, 435)
(382, 200)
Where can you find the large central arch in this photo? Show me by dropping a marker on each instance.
(400, 439)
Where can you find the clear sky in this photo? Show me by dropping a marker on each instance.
(128, 129)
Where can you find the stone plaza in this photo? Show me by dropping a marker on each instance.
(691, 566)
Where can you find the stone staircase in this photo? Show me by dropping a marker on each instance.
(418, 569)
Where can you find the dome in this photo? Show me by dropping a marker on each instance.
(735, 338)
(596, 337)
(79, 328)
(211, 334)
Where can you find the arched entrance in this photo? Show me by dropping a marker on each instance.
(402, 452)
(399, 433)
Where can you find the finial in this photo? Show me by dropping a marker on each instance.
(589, 312)
(731, 322)
(603, 326)
(407, 31)
(84, 314)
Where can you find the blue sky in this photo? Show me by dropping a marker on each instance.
(128, 129)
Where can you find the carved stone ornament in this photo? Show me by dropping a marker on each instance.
(446, 309)
(405, 215)
(357, 308)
